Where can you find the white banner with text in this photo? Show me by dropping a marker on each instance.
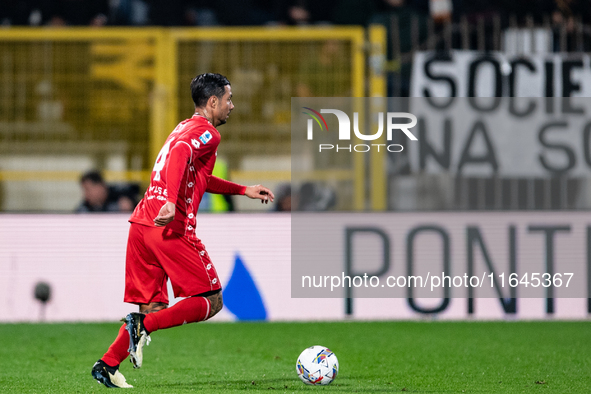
(78, 263)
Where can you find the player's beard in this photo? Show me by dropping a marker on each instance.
(223, 121)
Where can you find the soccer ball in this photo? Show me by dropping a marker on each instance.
(317, 365)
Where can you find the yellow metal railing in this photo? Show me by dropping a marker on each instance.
(73, 176)
(377, 88)
(107, 98)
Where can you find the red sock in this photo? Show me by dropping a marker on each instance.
(118, 351)
(189, 310)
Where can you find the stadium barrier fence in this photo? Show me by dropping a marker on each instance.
(79, 99)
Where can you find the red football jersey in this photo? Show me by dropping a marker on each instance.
(182, 173)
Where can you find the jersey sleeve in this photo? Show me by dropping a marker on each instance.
(221, 186)
(178, 158)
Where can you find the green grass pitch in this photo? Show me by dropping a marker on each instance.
(374, 357)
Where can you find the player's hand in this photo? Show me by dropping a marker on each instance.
(166, 215)
(260, 192)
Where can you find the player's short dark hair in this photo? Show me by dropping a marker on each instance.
(92, 176)
(206, 85)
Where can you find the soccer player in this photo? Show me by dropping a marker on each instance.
(162, 241)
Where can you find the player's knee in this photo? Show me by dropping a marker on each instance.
(214, 311)
(152, 307)
(217, 304)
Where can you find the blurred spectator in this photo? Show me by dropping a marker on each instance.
(283, 198)
(182, 13)
(99, 197)
(441, 11)
(566, 11)
(217, 203)
(79, 12)
(316, 197)
(201, 13)
(128, 12)
(24, 12)
(261, 12)
(305, 12)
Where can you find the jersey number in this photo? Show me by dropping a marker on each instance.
(160, 160)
